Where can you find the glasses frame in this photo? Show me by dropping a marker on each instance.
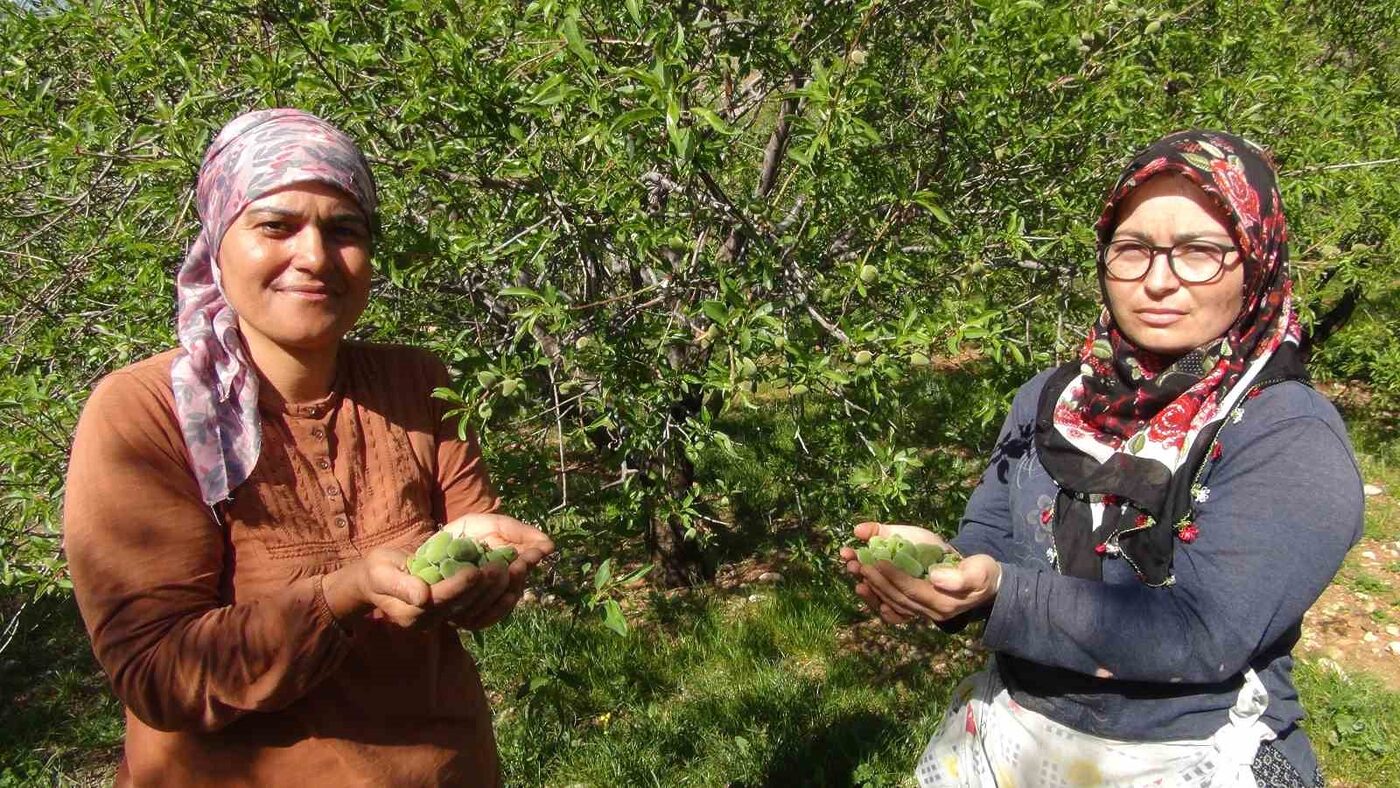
(1153, 251)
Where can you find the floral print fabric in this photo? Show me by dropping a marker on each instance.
(1129, 395)
(216, 387)
(1122, 421)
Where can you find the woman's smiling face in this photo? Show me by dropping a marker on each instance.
(295, 267)
(1158, 312)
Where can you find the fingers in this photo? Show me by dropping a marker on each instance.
(868, 596)
(951, 580)
(390, 580)
(867, 530)
(491, 616)
(887, 592)
(522, 536)
(529, 539)
(478, 586)
(401, 614)
(891, 616)
(849, 561)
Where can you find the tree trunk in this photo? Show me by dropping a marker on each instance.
(681, 561)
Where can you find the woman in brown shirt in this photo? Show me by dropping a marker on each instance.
(239, 510)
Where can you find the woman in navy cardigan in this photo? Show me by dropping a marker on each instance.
(1157, 515)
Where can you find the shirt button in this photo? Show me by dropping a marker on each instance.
(318, 433)
(324, 464)
(340, 521)
(332, 492)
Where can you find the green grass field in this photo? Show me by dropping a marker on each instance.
(710, 688)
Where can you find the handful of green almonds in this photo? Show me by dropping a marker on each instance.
(913, 559)
(444, 555)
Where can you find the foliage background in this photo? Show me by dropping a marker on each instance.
(715, 277)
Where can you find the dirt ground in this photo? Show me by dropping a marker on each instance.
(1356, 623)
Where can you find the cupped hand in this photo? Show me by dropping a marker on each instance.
(498, 530)
(947, 592)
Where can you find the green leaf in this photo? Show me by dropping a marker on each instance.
(633, 117)
(613, 618)
(715, 121)
(926, 200)
(716, 311)
(574, 39)
(522, 292)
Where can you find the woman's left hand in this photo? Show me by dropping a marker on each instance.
(499, 530)
(947, 592)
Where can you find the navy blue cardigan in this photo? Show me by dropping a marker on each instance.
(1277, 513)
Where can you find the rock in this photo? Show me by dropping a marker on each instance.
(769, 577)
(548, 599)
(753, 598)
(1370, 555)
(1392, 630)
(1372, 489)
(1369, 637)
(1394, 647)
(1327, 663)
(529, 597)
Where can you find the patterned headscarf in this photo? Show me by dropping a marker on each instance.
(216, 388)
(1120, 424)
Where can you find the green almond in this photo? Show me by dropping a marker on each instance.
(463, 550)
(908, 564)
(450, 566)
(435, 549)
(929, 554)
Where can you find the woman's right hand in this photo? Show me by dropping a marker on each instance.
(864, 589)
(379, 585)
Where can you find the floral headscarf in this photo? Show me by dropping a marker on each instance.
(216, 388)
(1121, 428)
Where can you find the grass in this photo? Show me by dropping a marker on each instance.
(710, 688)
(1377, 445)
(714, 690)
(59, 723)
(1352, 724)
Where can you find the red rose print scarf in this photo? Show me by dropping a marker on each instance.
(1123, 431)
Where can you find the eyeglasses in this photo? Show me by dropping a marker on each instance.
(1193, 262)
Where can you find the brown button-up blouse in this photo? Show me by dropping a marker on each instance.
(211, 624)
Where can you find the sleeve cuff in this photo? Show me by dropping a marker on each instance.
(1001, 617)
(323, 610)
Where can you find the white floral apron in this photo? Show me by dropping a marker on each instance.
(987, 739)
